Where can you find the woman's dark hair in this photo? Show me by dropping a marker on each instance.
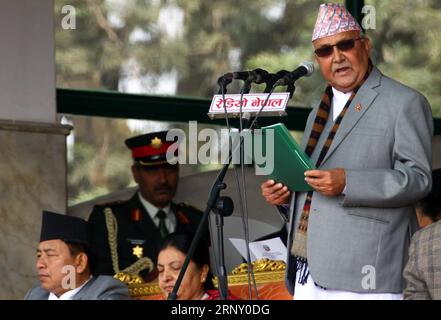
(201, 256)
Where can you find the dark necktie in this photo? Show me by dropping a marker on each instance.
(162, 227)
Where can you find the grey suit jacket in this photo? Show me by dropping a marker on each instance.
(97, 288)
(423, 270)
(359, 241)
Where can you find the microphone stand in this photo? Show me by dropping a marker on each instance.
(224, 208)
(244, 122)
(217, 186)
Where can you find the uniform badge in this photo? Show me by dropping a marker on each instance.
(138, 251)
(136, 214)
(156, 143)
(358, 107)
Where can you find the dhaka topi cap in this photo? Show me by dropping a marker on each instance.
(63, 227)
(333, 18)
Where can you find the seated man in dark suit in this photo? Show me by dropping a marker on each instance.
(64, 264)
(128, 234)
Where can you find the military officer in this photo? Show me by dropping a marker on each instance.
(128, 234)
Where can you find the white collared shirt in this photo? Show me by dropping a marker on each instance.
(170, 221)
(339, 101)
(68, 295)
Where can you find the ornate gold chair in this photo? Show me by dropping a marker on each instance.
(269, 276)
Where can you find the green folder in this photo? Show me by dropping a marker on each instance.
(290, 161)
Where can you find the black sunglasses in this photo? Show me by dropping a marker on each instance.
(343, 45)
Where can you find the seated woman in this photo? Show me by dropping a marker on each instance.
(197, 283)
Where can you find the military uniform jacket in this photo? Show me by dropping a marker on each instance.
(135, 230)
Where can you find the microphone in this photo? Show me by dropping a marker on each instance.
(257, 75)
(262, 76)
(223, 82)
(305, 69)
(227, 78)
(242, 75)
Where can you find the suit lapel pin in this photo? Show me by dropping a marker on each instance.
(358, 107)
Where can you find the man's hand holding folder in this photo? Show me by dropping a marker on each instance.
(275, 193)
(328, 182)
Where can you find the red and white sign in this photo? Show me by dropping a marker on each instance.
(251, 103)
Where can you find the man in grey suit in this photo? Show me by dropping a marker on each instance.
(64, 264)
(370, 138)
